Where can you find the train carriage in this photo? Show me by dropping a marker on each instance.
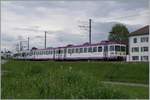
(105, 50)
(41, 54)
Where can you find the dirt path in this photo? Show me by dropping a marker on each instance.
(124, 83)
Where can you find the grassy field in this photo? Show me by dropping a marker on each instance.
(48, 79)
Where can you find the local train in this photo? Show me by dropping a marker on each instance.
(105, 50)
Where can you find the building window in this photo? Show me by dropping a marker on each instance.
(144, 49)
(135, 49)
(94, 49)
(99, 49)
(111, 48)
(144, 39)
(134, 40)
(135, 57)
(144, 58)
(85, 50)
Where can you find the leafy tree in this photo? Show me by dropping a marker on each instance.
(119, 33)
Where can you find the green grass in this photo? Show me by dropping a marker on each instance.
(48, 79)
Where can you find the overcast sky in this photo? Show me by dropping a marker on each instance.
(22, 19)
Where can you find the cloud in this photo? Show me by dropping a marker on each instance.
(22, 19)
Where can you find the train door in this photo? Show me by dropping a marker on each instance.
(54, 54)
(64, 53)
(59, 54)
(105, 51)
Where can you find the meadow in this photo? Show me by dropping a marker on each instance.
(77, 80)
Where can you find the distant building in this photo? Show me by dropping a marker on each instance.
(139, 45)
(5, 55)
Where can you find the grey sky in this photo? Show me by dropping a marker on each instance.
(20, 19)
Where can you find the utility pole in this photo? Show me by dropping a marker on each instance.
(90, 31)
(87, 27)
(45, 39)
(20, 46)
(28, 43)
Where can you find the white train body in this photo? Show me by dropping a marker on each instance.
(104, 50)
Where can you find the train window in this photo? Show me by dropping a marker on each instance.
(117, 48)
(111, 48)
(56, 51)
(61, 51)
(122, 48)
(72, 50)
(49, 52)
(77, 50)
(85, 50)
(90, 49)
(81, 50)
(94, 49)
(69, 50)
(99, 49)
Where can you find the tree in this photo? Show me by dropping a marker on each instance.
(119, 33)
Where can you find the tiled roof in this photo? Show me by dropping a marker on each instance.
(142, 31)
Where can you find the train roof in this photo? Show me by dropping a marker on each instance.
(85, 45)
(101, 43)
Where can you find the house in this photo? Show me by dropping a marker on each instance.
(139, 45)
